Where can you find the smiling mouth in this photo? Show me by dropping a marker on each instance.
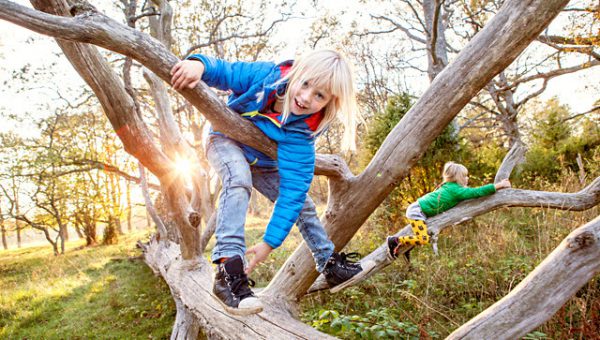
(300, 105)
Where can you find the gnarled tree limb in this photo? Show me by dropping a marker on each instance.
(96, 28)
(554, 281)
(584, 199)
(352, 202)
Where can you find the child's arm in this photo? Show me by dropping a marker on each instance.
(260, 251)
(466, 193)
(235, 76)
(296, 163)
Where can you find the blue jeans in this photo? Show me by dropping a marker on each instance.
(238, 178)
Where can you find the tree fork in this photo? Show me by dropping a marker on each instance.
(586, 198)
(485, 55)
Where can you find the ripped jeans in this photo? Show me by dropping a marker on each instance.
(238, 178)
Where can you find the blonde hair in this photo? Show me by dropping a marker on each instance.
(454, 172)
(331, 70)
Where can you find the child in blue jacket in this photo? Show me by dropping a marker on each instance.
(291, 103)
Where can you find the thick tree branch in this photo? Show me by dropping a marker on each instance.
(187, 282)
(486, 55)
(98, 29)
(533, 301)
(586, 198)
(434, 30)
(515, 156)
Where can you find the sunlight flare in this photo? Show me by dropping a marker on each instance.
(184, 166)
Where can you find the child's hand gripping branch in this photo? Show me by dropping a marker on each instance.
(186, 73)
(260, 251)
(453, 190)
(503, 184)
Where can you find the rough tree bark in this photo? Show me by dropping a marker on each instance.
(3, 230)
(188, 274)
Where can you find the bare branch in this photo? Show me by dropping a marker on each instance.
(579, 48)
(533, 94)
(551, 74)
(585, 199)
(397, 26)
(416, 14)
(594, 109)
(533, 301)
(555, 39)
(160, 226)
(235, 36)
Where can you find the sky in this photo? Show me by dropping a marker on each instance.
(20, 47)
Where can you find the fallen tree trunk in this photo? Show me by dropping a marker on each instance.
(191, 283)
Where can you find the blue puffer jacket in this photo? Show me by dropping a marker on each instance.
(254, 88)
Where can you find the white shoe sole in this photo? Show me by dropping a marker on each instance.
(367, 267)
(239, 311)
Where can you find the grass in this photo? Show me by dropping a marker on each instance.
(103, 292)
(480, 262)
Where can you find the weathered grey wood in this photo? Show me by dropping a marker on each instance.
(93, 27)
(436, 25)
(514, 157)
(554, 281)
(191, 282)
(352, 199)
(584, 199)
(186, 325)
(351, 202)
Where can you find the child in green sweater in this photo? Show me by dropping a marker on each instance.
(452, 191)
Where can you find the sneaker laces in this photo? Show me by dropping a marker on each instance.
(240, 286)
(346, 259)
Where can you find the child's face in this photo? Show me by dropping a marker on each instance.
(307, 98)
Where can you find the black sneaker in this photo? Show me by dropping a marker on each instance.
(340, 269)
(393, 246)
(232, 288)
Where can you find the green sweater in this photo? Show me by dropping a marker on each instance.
(449, 195)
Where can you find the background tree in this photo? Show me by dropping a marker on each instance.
(183, 267)
(12, 163)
